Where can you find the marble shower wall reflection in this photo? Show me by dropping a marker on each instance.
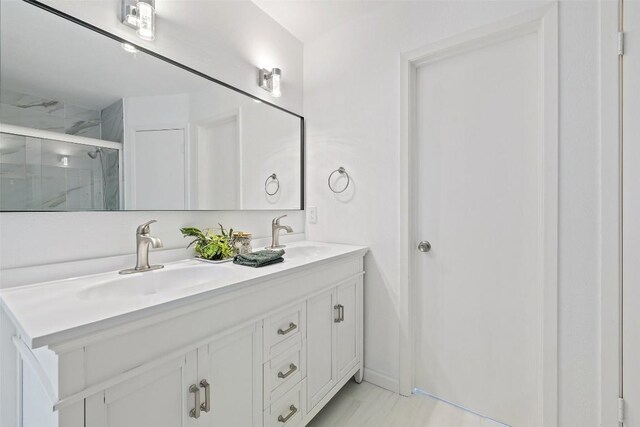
(111, 188)
(36, 112)
(112, 122)
(112, 129)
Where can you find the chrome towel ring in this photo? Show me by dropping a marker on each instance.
(273, 177)
(341, 171)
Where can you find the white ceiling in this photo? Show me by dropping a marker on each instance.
(307, 19)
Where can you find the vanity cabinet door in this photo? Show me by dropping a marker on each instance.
(321, 369)
(232, 366)
(347, 314)
(158, 397)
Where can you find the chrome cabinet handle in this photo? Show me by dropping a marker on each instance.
(292, 369)
(291, 327)
(293, 410)
(206, 406)
(195, 412)
(340, 309)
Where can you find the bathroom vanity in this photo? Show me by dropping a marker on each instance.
(193, 344)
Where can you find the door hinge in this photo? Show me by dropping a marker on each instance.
(620, 43)
(620, 410)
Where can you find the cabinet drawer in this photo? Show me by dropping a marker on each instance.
(287, 411)
(284, 371)
(283, 329)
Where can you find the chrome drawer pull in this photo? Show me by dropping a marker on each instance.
(293, 410)
(292, 369)
(291, 327)
(195, 412)
(340, 309)
(206, 406)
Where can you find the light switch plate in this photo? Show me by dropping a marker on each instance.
(312, 215)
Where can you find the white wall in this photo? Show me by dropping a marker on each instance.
(352, 108)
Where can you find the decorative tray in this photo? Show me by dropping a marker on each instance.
(214, 261)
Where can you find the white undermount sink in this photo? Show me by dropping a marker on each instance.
(176, 277)
(171, 278)
(306, 251)
(179, 276)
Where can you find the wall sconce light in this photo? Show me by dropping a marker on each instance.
(270, 81)
(64, 161)
(141, 15)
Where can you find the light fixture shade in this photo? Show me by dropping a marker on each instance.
(275, 82)
(146, 21)
(270, 81)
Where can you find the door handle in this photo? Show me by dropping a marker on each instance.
(424, 246)
(340, 309)
(206, 406)
(195, 412)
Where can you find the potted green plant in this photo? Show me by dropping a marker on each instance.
(210, 246)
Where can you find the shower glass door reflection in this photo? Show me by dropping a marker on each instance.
(39, 174)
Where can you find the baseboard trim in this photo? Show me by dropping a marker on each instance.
(381, 380)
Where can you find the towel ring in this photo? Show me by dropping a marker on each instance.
(341, 171)
(274, 177)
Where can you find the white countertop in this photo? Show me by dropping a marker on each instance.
(54, 312)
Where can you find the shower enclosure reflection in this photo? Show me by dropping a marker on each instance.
(39, 174)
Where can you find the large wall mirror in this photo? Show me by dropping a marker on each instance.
(88, 125)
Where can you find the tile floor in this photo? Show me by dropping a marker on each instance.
(368, 405)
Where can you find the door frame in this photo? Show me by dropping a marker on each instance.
(611, 214)
(543, 22)
(236, 114)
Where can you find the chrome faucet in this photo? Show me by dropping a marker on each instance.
(143, 242)
(275, 232)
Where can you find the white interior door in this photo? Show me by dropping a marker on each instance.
(631, 215)
(158, 170)
(485, 199)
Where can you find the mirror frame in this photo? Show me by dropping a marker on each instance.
(156, 55)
